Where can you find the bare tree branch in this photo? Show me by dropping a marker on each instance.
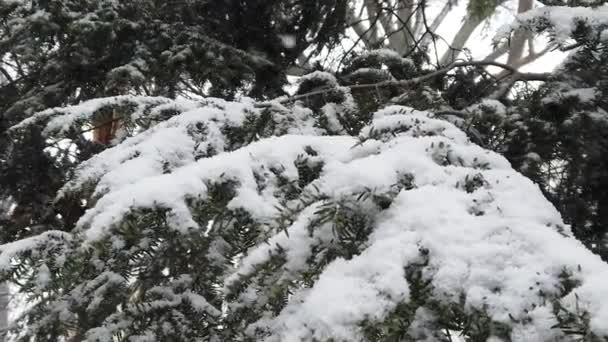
(467, 28)
(518, 41)
(498, 52)
(404, 29)
(462, 36)
(417, 80)
(4, 307)
(365, 35)
(372, 28)
(445, 10)
(531, 57)
(428, 30)
(373, 10)
(6, 76)
(405, 11)
(418, 23)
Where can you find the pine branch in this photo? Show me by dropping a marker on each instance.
(409, 82)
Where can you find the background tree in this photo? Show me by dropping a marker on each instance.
(409, 28)
(61, 52)
(254, 213)
(239, 220)
(556, 133)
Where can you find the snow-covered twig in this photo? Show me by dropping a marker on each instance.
(417, 80)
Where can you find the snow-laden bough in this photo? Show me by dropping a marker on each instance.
(409, 222)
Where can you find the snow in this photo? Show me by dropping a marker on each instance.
(43, 277)
(509, 247)
(378, 74)
(47, 239)
(62, 119)
(129, 71)
(345, 293)
(497, 240)
(604, 36)
(496, 107)
(386, 56)
(288, 40)
(328, 78)
(563, 19)
(170, 191)
(583, 94)
(170, 144)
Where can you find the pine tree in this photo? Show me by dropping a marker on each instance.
(275, 221)
(556, 134)
(358, 209)
(62, 52)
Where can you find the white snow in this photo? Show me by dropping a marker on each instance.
(500, 244)
(562, 18)
(499, 260)
(326, 77)
(62, 119)
(170, 144)
(47, 239)
(288, 40)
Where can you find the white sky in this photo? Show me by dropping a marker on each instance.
(480, 43)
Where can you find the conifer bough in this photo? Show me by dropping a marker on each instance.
(213, 226)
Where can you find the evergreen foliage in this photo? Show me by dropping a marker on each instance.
(253, 216)
(362, 208)
(62, 52)
(556, 135)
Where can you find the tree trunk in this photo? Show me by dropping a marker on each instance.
(464, 33)
(461, 38)
(4, 301)
(518, 41)
(105, 126)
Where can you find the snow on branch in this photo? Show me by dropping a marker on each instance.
(512, 71)
(59, 120)
(409, 215)
(561, 21)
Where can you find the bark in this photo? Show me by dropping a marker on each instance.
(462, 36)
(106, 125)
(467, 28)
(374, 15)
(76, 338)
(500, 50)
(531, 57)
(424, 78)
(405, 40)
(449, 5)
(419, 23)
(518, 41)
(4, 310)
(366, 35)
(388, 23)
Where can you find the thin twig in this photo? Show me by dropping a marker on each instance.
(361, 38)
(428, 29)
(417, 80)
